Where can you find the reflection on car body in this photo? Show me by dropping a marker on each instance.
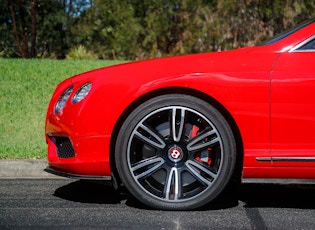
(177, 131)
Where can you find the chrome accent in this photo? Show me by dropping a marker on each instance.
(196, 169)
(177, 132)
(199, 142)
(175, 153)
(172, 184)
(295, 48)
(156, 142)
(278, 181)
(156, 162)
(286, 159)
(293, 159)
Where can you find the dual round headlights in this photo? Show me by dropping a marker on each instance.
(80, 94)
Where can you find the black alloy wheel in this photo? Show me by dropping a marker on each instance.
(175, 152)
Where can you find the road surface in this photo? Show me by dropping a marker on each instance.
(72, 204)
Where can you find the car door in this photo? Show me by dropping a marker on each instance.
(293, 107)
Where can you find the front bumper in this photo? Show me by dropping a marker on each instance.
(77, 135)
(79, 157)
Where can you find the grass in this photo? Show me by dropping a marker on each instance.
(25, 90)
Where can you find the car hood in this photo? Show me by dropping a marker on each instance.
(173, 66)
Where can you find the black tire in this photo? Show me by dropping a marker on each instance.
(181, 170)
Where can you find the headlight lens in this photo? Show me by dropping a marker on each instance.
(63, 99)
(82, 92)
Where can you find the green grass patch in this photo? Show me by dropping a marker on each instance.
(26, 87)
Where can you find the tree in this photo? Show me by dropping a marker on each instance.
(25, 40)
(38, 28)
(109, 28)
(137, 29)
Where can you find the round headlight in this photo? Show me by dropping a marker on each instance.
(63, 99)
(82, 92)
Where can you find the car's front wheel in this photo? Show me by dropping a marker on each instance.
(175, 152)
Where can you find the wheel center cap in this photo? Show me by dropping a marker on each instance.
(175, 153)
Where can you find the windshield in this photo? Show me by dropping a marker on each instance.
(288, 32)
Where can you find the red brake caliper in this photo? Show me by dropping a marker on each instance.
(205, 155)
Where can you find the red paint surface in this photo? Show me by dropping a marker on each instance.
(269, 92)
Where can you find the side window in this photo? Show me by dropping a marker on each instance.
(308, 46)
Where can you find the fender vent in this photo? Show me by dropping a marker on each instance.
(64, 147)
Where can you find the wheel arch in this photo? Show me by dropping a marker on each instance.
(187, 91)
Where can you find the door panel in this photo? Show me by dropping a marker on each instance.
(293, 110)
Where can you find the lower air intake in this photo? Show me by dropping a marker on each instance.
(64, 147)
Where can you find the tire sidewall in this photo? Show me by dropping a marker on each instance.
(228, 142)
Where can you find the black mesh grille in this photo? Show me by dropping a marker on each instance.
(64, 147)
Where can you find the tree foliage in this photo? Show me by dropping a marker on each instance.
(137, 29)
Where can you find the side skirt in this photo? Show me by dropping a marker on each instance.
(278, 181)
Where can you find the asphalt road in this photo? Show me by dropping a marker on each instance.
(71, 204)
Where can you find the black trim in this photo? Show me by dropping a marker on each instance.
(263, 159)
(289, 32)
(286, 159)
(293, 159)
(75, 176)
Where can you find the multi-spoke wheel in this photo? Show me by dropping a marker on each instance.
(175, 152)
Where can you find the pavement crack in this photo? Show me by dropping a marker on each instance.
(256, 220)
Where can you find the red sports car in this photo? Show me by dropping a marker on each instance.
(177, 131)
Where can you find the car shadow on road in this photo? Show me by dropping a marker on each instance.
(248, 195)
(89, 192)
(278, 196)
